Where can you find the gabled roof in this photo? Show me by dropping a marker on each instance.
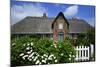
(30, 25)
(60, 14)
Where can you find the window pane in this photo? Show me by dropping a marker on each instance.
(60, 36)
(60, 26)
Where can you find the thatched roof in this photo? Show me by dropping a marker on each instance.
(30, 25)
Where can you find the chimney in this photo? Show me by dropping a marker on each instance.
(74, 19)
(44, 15)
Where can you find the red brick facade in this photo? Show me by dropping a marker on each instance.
(60, 19)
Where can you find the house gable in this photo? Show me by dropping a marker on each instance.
(60, 26)
(60, 18)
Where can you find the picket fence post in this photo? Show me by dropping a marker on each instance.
(92, 50)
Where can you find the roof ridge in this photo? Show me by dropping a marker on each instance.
(39, 17)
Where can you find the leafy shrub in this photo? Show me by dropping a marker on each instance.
(91, 36)
(82, 39)
(34, 51)
(68, 50)
(86, 38)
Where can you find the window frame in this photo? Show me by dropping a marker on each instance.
(60, 26)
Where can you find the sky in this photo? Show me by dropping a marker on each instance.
(22, 9)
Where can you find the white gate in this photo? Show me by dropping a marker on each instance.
(82, 53)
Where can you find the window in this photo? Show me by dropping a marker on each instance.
(60, 36)
(60, 26)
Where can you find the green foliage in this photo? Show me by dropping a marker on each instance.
(17, 48)
(91, 36)
(86, 38)
(66, 51)
(82, 39)
(33, 51)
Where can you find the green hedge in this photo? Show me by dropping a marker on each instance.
(34, 51)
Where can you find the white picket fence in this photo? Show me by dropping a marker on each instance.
(83, 53)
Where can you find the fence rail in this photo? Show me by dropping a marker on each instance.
(83, 53)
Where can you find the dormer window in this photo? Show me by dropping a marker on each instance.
(60, 26)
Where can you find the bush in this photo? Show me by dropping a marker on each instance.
(66, 51)
(34, 51)
(91, 36)
(82, 39)
(86, 38)
(18, 47)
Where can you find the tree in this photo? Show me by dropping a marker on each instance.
(86, 38)
(91, 36)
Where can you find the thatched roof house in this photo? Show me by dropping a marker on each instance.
(46, 25)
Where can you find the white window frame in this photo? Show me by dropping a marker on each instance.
(60, 26)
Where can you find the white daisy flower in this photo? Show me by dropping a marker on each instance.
(48, 63)
(56, 60)
(27, 48)
(40, 63)
(42, 57)
(32, 43)
(70, 52)
(51, 55)
(45, 55)
(69, 58)
(37, 62)
(30, 59)
(28, 44)
(13, 44)
(35, 58)
(54, 57)
(73, 55)
(62, 54)
(29, 51)
(49, 58)
(31, 55)
(33, 52)
(44, 61)
(21, 54)
(24, 44)
(70, 55)
(51, 45)
(24, 57)
(38, 55)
